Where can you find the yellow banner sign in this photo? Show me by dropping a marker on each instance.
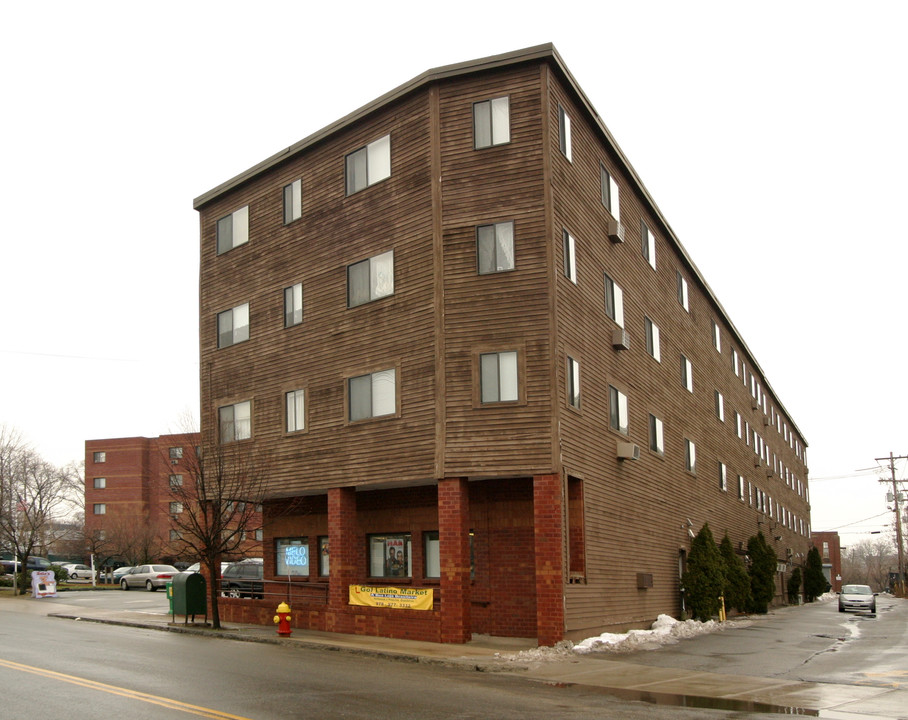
(392, 597)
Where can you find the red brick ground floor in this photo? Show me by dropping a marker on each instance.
(491, 553)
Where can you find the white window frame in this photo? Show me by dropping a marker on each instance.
(651, 330)
(499, 380)
(690, 456)
(176, 507)
(656, 435)
(375, 393)
(491, 123)
(687, 374)
(609, 193)
(295, 410)
(570, 256)
(368, 165)
(741, 488)
(614, 301)
(648, 244)
(293, 305)
(723, 477)
(238, 331)
(235, 422)
(293, 201)
(175, 481)
(495, 248)
(618, 410)
(683, 299)
(564, 132)
(379, 283)
(232, 230)
(717, 337)
(573, 383)
(720, 406)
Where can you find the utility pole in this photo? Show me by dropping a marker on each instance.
(898, 518)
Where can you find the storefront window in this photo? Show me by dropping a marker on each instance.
(292, 556)
(324, 569)
(431, 553)
(389, 556)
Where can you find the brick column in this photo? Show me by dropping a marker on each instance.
(454, 546)
(343, 550)
(548, 520)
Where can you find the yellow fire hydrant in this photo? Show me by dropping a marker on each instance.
(283, 619)
(721, 608)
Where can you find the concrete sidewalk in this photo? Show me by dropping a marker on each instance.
(628, 680)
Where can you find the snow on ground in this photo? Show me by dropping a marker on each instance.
(665, 631)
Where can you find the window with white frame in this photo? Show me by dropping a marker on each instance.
(614, 301)
(498, 377)
(99, 457)
(259, 534)
(652, 338)
(723, 477)
(564, 132)
(175, 535)
(370, 279)
(734, 361)
(176, 453)
(608, 188)
(233, 326)
(720, 406)
(292, 557)
(573, 388)
(495, 247)
(648, 244)
(235, 422)
(687, 374)
(491, 123)
(390, 555)
(100, 483)
(432, 554)
(372, 395)
(295, 403)
(690, 456)
(369, 165)
(617, 406)
(570, 257)
(293, 305)
(656, 435)
(176, 481)
(293, 201)
(682, 291)
(176, 508)
(717, 337)
(233, 230)
(740, 488)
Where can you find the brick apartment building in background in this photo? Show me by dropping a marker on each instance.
(828, 543)
(128, 496)
(483, 366)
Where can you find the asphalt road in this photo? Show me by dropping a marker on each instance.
(55, 668)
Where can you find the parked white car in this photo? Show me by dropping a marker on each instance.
(78, 571)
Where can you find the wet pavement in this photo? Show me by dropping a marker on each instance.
(626, 676)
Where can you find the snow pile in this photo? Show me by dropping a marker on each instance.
(665, 631)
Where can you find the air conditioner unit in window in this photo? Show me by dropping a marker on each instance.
(757, 461)
(766, 421)
(754, 405)
(615, 231)
(769, 472)
(628, 451)
(620, 339)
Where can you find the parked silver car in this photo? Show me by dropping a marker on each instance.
(151, 577)
(78, 571)
(857, 598)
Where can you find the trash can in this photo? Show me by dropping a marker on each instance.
(187, 596)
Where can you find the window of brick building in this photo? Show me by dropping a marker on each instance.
(99, 508)
(99, 457)
(390, 556)
(100, 483)
(292, 557)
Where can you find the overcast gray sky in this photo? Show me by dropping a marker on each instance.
(772, 136)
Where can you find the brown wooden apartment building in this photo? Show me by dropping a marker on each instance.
(446, 317)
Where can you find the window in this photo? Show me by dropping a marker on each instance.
(648, 244)
(687, 374)
(293, 305)
(617, 405)
(498, 377)
(389, 555)
(690, 456)
(573, 370)
(652, 339)
(233, 326)
(370, 279)
(99, 508)
(372, 395)
(491, 123)
(495, 247)
(233, 230)
(259, 534)
(369, 165)
(734, 361)
(614, 301)
(296, 410)
(737, 424)
(656, 435)
(720, 406)
(564, 132)
(575, 529)
(682, 291)
(176, 481)
(570, 258)
(100, 483)
(292, 557)
(175, 535)
(235, 422)
(740, 488)
(176, 453)
(723, 478)
(609, 190)
(176, 508)
(99, 457)
(324, 557)
(717, 337)
(293, 201)
(431, 553)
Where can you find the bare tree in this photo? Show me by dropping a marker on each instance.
(867, 562)
(220, 502)
(35, 496)
(130, 538)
